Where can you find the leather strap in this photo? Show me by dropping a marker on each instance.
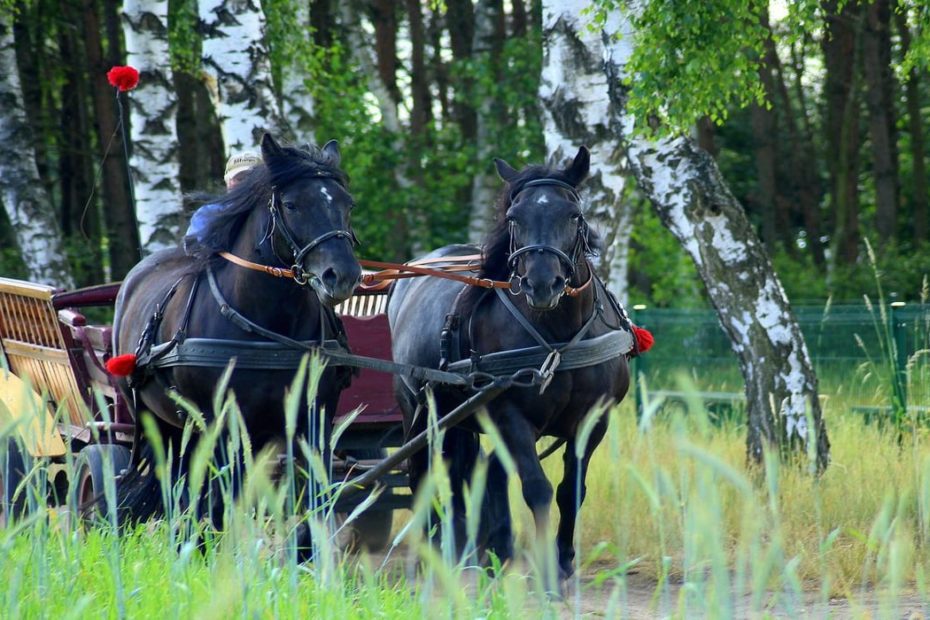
(278, 272)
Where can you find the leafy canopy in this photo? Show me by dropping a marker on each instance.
(695, 58)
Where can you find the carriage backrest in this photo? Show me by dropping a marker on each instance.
(35, 347)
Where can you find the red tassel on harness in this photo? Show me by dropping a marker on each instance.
(644, 339)
(121, 365)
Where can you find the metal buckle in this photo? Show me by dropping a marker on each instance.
(548, 368)
(301, 277)
(518, 289)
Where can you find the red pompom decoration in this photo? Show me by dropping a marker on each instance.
(644, 339)
(121, 365)
(123, 77)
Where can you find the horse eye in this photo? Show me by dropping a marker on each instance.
(290, 206)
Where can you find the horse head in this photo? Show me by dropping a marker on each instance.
(310, 218)
(547, 233)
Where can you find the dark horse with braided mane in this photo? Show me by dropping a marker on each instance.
(260, 287)
(557, 317)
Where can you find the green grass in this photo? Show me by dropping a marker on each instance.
(671, 502)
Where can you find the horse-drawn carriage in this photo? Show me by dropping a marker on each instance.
(56, 390)
(533, 317)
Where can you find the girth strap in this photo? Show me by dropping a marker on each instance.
(580, 355)
(335, 356)
(250, 355)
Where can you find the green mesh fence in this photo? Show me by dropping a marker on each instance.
(857, 352)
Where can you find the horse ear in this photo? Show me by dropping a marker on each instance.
(504, 170)
(331, 151)
(578, 170)
(270, 147)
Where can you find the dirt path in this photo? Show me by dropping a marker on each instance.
(638, 599)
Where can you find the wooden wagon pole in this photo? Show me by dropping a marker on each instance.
(457, 415)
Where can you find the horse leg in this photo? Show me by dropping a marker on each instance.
(311, 490)
(520, 439)
(496, 523)
(570, 495)
(460, 449)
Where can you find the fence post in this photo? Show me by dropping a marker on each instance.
(899, 360)
(639, 366)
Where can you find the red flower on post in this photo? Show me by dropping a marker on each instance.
(123, 77)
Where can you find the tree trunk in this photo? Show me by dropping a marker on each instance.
(438, 66)
(323, 22)
(876, 60)
(915, 126)
(384, 20)
(351, 16)
(485, 50)
(296, 99)
(577, 109)
(122, 232)
(235, 63)
(802, 165)
(769, 200)
(460, 21)
(841, 49)
(693, 201)
(154, 138)
(27, 204)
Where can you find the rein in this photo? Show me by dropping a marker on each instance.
(380, 280)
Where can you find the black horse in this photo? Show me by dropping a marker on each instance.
(541, 244)
(184, 314)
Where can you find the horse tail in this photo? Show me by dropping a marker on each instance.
(139, 494)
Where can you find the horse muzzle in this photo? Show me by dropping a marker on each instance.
(333, 286)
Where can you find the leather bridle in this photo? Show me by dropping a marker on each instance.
(279, 224)
(580, 248)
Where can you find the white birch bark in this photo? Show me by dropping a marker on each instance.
(238, 72)
(692, 200)
(485, 184)
(575, 94)
(296, 100)
(24, 198)
(154, 138)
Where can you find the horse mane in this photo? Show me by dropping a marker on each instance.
(255, 191)
(496, 252)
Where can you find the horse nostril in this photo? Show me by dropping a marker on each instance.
(558, 284)
(329, 278)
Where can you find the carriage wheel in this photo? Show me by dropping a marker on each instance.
(371, 531)
(12, 473)
(92, 471)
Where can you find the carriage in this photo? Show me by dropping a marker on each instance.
(54, 355)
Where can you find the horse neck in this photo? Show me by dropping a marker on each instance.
(279, 301)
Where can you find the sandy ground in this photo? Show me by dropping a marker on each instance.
(637, 598)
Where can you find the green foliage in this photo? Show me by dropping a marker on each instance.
(918, 56)
(394, 222)
(662, 274)
(183, 39)
(692, 58)
(902, 269)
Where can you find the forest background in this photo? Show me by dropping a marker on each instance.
(825, 146)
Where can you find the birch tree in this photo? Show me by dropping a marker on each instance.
(691, 198)
(238, 72)
(485, 183)
(24, 198)
(154, 138)
(296, 101)
(575, 96)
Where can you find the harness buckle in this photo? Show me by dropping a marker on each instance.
(301, 277)
(548, 368)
